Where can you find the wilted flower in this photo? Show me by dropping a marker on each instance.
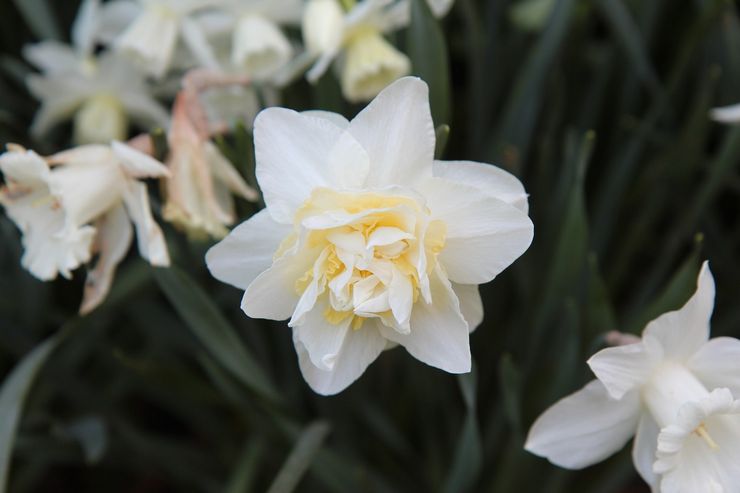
(366, 241)
(80, 202)
(101, 94)
(673, 391)
(152, 37)
(202, 179)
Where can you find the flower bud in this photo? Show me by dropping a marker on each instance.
(100, 120)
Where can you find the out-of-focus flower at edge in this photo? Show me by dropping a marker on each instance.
(156, 30)
(259, 48)
(366, 60)
(675, 391)
(101, 94)
(366, 241)
(81, 202)
(726, 114)
(202, 180)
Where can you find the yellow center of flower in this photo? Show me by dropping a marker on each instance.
(369, 255)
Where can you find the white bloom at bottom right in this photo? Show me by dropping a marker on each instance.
(675, 391)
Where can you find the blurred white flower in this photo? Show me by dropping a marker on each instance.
(100, 94)
(673, 391)
(726, 114)
(366, 241)
(80, 202)
(367, 61)
(199, 190)
(153, 35)
(259, 48)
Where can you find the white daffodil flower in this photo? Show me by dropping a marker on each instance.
(367, 62)
(101, 95)
(199, 190)
(79, 202)
(156, 29)
(258, 46)
(366, 241)
(673, 391)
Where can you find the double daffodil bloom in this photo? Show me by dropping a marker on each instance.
(80, 202)
(367, 242)
(101, 93)
(675, 391)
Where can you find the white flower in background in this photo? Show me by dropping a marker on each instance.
(259, 48)
(80, 202)
(673, 391)
(726, 114)
(156, 29)
(199, 190)
(367, 61)
(366, 241)
(100, 94)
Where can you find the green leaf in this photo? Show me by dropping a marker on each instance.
(511, 392)
(13, 395)
(427, 48)
(212, 329)
(300, 458)
(243, 476)
(468, 458)
(40, 17)
(619, 19)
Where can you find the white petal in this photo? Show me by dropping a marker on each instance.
(85, 26)
(622, 368)
(273, 295)
(684, 331)
(150, 239)
(196, 41)
(322, 340)
(337, 119)
(471, 304)
(486, 178)
(359, 349)
(52, 56)
(348, 162)
(144, 110)
(113, 240)
(644, 448)
(726, 114)
(86, 188)
(717, 364)
(584, 428)
(484, 234)
(397, 133)
(137, 164)
(247, 251)
(439, 334)
(291, 151)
